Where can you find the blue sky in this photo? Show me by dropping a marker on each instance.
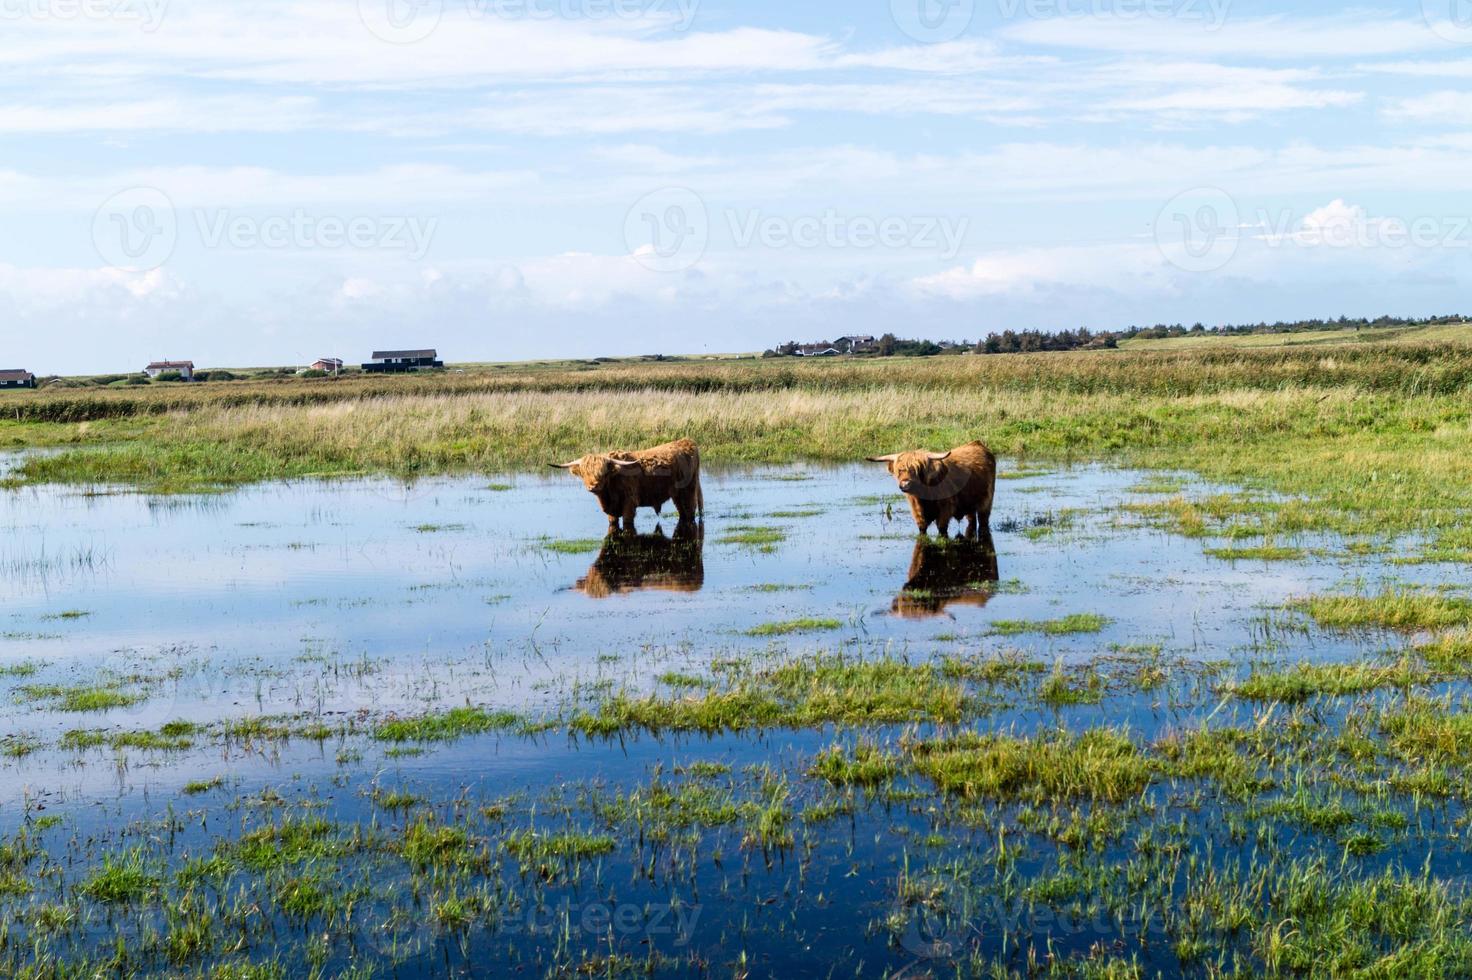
(266, 182)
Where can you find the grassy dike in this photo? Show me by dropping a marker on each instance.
(1365, 439)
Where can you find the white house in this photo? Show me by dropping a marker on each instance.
(185, 369)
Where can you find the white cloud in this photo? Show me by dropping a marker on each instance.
(1447, 108)
(1281, 37)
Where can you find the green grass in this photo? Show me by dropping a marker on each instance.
(124, 877)
(1098, 764)
(571, 546)
(446, 726)
(1306, 681)
(81, 698)
(1256, 553)
(751, 536)
(1075, 623)
(1396, 609)
(791, 626)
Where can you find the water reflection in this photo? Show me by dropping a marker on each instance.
(634, 562)
(959, 571)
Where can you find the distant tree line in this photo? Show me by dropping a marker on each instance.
(1034, 341)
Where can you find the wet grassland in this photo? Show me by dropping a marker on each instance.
(1202, 717)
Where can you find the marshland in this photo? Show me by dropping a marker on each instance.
(336, 678)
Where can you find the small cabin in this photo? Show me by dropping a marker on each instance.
(184, 369)
(332, 365)
(384, 361)
(17, 379)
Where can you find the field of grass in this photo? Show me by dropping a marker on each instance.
(1362, 438)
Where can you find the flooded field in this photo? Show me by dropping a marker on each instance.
(443, 729)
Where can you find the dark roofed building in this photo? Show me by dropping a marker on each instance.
(17, 379)
(403, 360)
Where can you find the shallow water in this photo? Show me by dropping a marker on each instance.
(356, 599)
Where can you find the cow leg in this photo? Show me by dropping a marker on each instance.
(629, 509)
(922, 523)
(971, 525)
(685, 507)
(945, 513)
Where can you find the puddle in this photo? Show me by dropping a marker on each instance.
(352, 600)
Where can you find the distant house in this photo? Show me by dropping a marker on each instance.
(402, 360)
(818, 350)
(185, 369)
(332, 365)
(856, 345)
(17, 379)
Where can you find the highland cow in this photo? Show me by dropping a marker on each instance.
(626, 481)
(943, 487)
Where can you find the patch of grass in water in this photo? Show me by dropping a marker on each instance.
(197, 786)
(790, 626)
(1061, 690)
(18, 746)
(753, 536)
(445, 726)
(1098, 764)
(125, 877)
(865, 765)
(678, 680)
(80, 699)
(1305, 681)
(571, 546)
(773, 587)
(25, 668)
(1265, 552)
(437, 528)
(1076, 623)
(1391, 609)
(68, 614)
(541, 848)
(803, 694)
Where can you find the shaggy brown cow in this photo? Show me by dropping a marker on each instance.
(943, 487)
(624, 482)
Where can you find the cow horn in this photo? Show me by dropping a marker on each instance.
(937, 457)
(884, 459)
(626, 462)
(563, 466)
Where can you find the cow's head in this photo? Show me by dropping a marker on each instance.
(916, 472)
(598, 470)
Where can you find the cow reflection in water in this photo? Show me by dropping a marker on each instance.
(631, 562)
(944, 573)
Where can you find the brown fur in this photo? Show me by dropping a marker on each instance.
(664, 473)
(961, 485)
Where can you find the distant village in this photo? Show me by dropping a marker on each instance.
(184, 371)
